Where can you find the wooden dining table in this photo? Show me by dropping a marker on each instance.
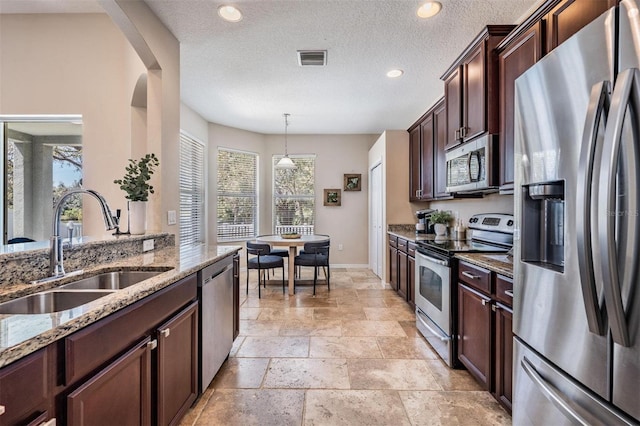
(293, 244)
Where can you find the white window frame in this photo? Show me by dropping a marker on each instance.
(256, 223)
(302, 229)
(197, 191)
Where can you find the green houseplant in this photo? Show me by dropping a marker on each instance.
(138, 173)
(440, 219)
(135, 184)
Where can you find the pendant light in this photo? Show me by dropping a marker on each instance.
(285, 162)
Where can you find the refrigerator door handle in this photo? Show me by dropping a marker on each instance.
(597, 112)
(566, 406)
(626, 91)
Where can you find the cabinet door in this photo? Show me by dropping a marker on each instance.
(411, 281)
(474, 108)
(25, 389)
(402, 274)
(426, 162)
(504, 355)
(439, 143)
(236, 296)
(453, 106)
(393, 268)
(474, 335)
(177, 365)
(520, 55)
(120, 394)
(569, 16)
(415, 157)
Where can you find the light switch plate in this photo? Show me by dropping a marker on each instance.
(147, 245)
(171, 217)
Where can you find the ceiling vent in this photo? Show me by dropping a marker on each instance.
(312, 58)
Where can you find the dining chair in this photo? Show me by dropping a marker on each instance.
(262, 261)
(316, 255)
(275, 252)
(301, 252)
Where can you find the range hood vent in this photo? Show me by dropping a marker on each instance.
(312, 58)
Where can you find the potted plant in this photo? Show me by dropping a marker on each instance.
(135, 184)
(440, 220)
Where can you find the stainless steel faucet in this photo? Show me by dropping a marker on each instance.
(56, 268)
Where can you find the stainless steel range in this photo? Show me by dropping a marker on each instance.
(436, 304)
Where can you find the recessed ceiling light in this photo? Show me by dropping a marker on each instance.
(429, 9)
(395, 73)
(230, 13)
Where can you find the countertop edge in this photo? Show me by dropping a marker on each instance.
(112, 303)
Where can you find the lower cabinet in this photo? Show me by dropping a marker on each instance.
(25, 390)
(485, 336)
(402, 267)
(120, 394)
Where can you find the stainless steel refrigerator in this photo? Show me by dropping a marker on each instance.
(576, 295)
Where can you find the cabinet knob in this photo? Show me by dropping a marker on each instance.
(166, 332)
(2, 409)
(484, 302)
(152, 344)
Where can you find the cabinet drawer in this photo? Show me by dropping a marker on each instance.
(393, 241)
(411, 249)
(91, 347)
(504, 289)
(475, 276)
(402, 245)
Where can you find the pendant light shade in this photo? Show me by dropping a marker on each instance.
(285, 162)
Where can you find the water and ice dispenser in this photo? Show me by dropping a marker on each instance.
(543, 224)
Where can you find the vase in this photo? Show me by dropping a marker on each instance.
(441, 229)
(137, 217)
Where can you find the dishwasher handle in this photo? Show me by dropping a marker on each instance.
(207, 279)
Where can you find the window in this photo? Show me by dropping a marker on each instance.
(294, 196)
(191, 191)
(237, 194)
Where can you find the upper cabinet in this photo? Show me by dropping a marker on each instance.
(471, 88)
(553, 23)
(426, 155)
(567, 17)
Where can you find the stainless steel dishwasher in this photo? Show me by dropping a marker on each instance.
(215, 292)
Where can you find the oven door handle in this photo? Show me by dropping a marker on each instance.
(434, 332)
(434, 260)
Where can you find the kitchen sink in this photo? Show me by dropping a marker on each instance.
(47, 302)
(116, 280)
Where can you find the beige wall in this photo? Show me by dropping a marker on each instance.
(75, 64)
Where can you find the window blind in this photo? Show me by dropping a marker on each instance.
(191, 217)
(237, 215)
(294, 196)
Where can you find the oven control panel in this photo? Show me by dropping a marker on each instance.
(498, 222)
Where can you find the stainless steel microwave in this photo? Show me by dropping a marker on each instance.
(472, 167)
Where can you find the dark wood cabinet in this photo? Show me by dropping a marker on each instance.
(515, 58)
(25, 390)
(471, 88)
(411, 275)
(120, 394)
(485, 337)
(474, 333)
(427, 171)
(569, 16)
(503, 354)
(402, 274)
(236, 296)
(393, 262)
(439, 144)
(177, 365)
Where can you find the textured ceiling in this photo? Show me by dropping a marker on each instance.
(245, 75)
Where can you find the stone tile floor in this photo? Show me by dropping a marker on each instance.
(349, 356)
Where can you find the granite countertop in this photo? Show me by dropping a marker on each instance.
(21, 335)
(499, 263)
(411, 236)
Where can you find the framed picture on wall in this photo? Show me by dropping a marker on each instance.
(332, 197)
(353, 182)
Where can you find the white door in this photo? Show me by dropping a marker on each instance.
(375, 231)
